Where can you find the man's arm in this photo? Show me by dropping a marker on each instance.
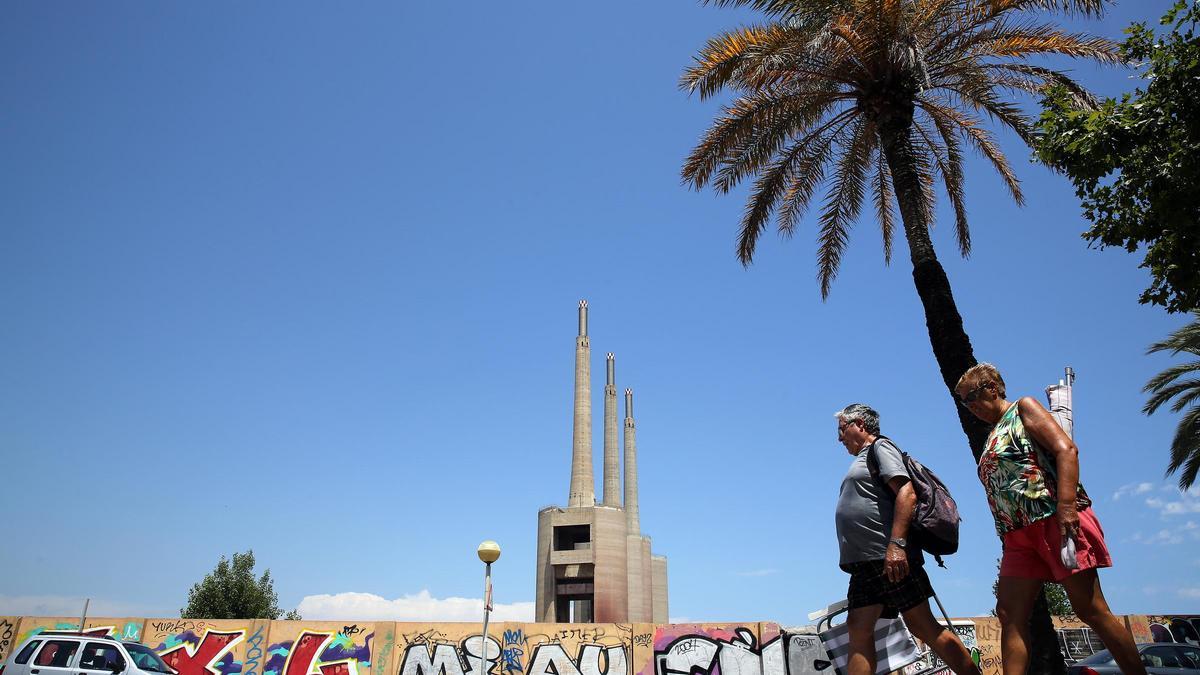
(895, 561)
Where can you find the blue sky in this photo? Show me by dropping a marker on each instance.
(302, 277)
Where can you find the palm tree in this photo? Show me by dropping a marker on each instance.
(879, 97)
(1185, 448)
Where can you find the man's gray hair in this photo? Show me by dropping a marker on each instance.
(862, 413)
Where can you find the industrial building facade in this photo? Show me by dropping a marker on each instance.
(594, 564)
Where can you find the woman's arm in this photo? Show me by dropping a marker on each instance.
(1043, 429)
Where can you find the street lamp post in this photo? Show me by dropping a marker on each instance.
(489, 552)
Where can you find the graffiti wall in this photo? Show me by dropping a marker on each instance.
(1183, 628)
(245, 647)
(208, 647)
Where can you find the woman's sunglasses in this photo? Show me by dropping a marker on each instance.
(973, 395)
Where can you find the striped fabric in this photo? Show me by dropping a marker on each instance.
(894, 646)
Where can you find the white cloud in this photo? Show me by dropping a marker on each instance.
(1187, 503)
(1160, 537)
(757, 573)
(419, 607)
(1190, 593)
(66, 605)
(1132, 489)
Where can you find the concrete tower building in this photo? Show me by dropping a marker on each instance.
(594, 564)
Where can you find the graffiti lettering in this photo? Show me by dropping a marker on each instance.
(688, 654)
(614, 657)
(511, 657)
(592, 634)
(305, 652)
(254, 653)
(1175, 629)
(551, 659)
(350, 631)
(702, 654)
(7, 629)
(643, 639)
(202, 658)
(513, 651)
(178, 626)
(431, 636)
(444, 658)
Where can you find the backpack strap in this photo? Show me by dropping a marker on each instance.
(873, 465)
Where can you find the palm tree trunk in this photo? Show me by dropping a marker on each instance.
(951, 345)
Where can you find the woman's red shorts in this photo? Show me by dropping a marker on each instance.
(1032, 552)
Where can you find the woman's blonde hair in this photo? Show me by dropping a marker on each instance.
(981, 374)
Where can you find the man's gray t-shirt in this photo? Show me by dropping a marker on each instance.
(865, 508)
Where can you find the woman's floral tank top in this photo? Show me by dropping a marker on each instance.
(1019, 477)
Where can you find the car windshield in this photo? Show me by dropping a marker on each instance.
(146, 659)
(1098, 658)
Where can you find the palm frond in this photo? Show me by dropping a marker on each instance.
(952, 177)
(807, 176)
(1086, 7)
(1186, 339)
(883, 204)
(1190, 396)
(719, 60)
(979, 137)
(790, 179)
(767, 131)
(843, 202)
(740, 123)
(1165, 392)
(981, 95)
(1185, 449)
(1049, 77)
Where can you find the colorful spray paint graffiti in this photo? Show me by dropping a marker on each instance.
(515, 649)
(708, 649)
(204, 647)
(314, 648)
(930, 664)
(1184, 629)
(241, 647)
(8, 635)
(129, 629)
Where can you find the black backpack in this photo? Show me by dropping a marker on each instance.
(935, 517)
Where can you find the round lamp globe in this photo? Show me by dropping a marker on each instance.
(489, 551)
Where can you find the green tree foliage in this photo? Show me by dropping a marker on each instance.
(1056, 597)
(1179, 382)
(1136, 163)
(230, 591)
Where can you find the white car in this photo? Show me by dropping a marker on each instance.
(73, 653)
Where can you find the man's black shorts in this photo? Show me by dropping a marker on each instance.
(869, 586)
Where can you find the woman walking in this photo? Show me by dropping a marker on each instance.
(1030, 472)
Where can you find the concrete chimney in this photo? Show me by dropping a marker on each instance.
(612, 460)
(632, 525)
(583, 484)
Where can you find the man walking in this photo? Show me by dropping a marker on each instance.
(887, 575)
